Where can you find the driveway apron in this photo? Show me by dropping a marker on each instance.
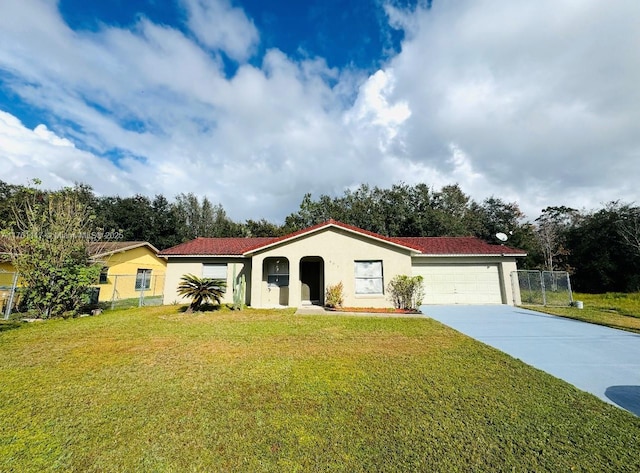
(599, 360)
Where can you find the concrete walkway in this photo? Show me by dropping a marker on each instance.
(599, 360)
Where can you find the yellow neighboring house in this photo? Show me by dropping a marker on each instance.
(129, 267)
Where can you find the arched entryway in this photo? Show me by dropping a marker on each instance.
(275, 276)
(312, 280)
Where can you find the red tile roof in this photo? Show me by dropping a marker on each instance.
(216, 246)
(332, 223)
(425, 245)
(458, 246)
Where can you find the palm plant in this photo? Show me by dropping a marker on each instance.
(201, 290)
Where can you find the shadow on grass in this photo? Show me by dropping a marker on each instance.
(9, 325)
(627, 397)
(203, 308)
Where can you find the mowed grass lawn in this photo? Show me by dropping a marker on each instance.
(616, 310)
(158, 390)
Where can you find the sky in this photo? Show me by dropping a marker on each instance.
(254, 103)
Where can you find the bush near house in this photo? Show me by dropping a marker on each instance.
(406, 292)
(334, 296)
(201, 290)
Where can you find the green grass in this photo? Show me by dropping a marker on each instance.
(154, 389)
(616, 310)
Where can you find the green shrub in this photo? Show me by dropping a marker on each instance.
(406, 292)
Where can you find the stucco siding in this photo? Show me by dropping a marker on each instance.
(179, 266)
(339, 250)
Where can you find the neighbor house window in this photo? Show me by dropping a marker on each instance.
(104, 273)
(369, 277)
(214, 271)
(143, 279)
(278, 272)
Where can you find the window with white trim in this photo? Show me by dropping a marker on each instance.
(143, 279)
(369, 277)
(214, 271)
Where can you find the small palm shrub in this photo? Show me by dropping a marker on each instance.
(201, 290)
(406, 292)
(334, 296)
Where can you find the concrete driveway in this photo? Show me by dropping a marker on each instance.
(599, 360)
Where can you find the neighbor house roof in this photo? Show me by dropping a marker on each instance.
(106, 248)
(422, 246)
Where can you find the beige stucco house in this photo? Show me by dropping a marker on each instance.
(296, 269)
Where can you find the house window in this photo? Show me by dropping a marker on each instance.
(214, 271)
(369, 277)
(143, 279)
(278, 272)
(104, 273)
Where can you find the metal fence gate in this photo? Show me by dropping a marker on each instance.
(552, 288)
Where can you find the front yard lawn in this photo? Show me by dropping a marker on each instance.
(154, 389)
(615, 310)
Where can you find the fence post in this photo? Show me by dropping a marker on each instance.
(113, 294)
(143, 283)
(569, 287)
(544, 289)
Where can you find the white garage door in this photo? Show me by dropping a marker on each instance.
(460, 284)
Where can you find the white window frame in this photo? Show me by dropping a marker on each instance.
(143, 274)
(369, 277)
(214, 271)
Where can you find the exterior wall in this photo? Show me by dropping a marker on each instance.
(127, 263)
(179, 266)
(505, 266)
(339, 249)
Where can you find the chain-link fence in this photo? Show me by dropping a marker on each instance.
(119, 291)
(552, 288)
(127, 290)
(8, 293)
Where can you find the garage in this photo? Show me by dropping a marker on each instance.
(460, 283)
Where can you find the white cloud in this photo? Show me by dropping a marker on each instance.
(40, 153)
(535, 102)
(221, 26)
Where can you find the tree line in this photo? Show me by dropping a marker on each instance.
(600, 248)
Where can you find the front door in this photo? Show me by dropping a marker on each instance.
(310, 281)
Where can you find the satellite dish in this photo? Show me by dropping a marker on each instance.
(502, 236)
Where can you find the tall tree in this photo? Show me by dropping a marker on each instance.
(600, 257)
(629, 226)
(50, 251)
(551, 231)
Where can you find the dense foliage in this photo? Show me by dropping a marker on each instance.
(49, 247)
(601, 248)
(406, 292)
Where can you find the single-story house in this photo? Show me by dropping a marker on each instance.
(296, 269)
(128, 267)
